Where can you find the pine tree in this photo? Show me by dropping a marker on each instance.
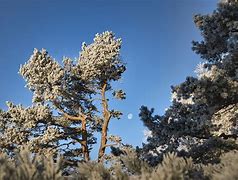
(202, 121)
(70, 102)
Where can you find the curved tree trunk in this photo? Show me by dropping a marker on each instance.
(106, 117)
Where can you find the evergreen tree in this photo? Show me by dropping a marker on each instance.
(202, 121)
(196, 138)
(70, 102)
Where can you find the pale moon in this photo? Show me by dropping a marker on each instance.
(130, 116)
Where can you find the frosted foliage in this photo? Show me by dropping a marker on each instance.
(93, 171)
(203, 71)
(33, 126)
(29, 117)
(228, 168)
(13, 136)
(115, 139)
(214, 88)
(205, 107)
(43, 76)
(188, 100)
(147, 133)
(20, 120)
(213, 73)
(100, 60)
(196, 111)
(49, 134)
(217, 30)
(173, 167)
(30, 166)
(226, 120)
(72, 91)
(228, 1)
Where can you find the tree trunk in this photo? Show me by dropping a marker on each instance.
(84, 142)
(106, 117)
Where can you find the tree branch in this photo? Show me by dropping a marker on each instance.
(75, 118)
(109, 145)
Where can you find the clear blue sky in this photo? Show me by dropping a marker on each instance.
(156, 36)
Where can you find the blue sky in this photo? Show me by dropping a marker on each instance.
(156, 36)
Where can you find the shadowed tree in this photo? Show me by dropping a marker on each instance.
(202, 120)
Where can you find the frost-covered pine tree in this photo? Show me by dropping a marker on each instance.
(70, 102)
(202, 121)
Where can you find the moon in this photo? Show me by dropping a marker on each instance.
(130, 116)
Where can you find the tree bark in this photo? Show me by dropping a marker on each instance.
(84, 142)
(106, 117)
